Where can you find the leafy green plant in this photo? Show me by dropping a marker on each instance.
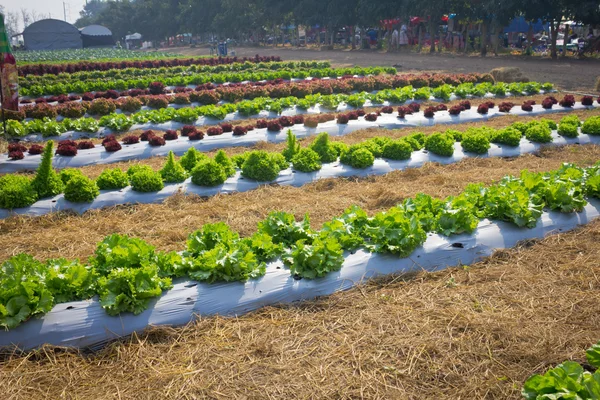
(130, 290)
(358, 156)
(225, 162)
(397, 150)
(68, 173)
(292, 146)
(227, 263)
(306, 160)
(539, 133)
(322, 146)
(46, 181)
(209, 237)
(70, 280)
(208, 173)
(284, 229)
(316, 259)
(569, 130)
(393, 232)
(191, 158)
(172, 171)
(568, 380)
(81, 189)
(112, 179)
(16, 191)
(591, 126)
(509, 136)
(477, 143)
(146, 181)
(440, 144)
(23, 292)
(260, 166)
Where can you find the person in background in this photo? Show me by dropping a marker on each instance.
(395, 39)
(403, 37)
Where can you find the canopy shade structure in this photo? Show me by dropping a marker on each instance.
(519, 24)
(51, 34)
(96, 36)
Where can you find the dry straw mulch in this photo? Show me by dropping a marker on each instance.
(167, 225)
(466, 333)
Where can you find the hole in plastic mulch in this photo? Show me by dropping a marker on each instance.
(458, 245)
(190, 285)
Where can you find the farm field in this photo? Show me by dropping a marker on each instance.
(146, 195)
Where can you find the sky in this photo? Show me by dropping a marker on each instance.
(45, 7)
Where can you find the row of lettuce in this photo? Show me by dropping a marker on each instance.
(127, 73)
(211, 93)
(53, 64)
(126, 273)
(45, 123)
(18, 190)
(569, 380)
(183, 80)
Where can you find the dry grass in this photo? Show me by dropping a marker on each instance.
(167, 225)
(355, 137)
(508, 75)
(469, 333)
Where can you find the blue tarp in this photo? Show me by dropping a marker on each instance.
(519, 24)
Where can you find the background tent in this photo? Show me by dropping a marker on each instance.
(51, 34)
(520, 25)
(96, 36)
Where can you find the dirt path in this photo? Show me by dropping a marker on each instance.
(570, 74)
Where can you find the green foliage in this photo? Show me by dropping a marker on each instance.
(130, 290)
(47, 182)
(81, 189)
(280, 160)
(239, 159)
(347, 229)
(208, 173)
(284, 229)
(306, 160)
(510, 201)
(122, 252)
(571, 119)
(358, 156)
(316, 259)
(393, 232)
(263, 246)
(457, 135)
(569, 130)
(292, 146)
(70, 280)
(138, 168)
(172, 170)
(146, 181)
(260, 166)
(539, 133)
(191, 158)
(22, 290)
(593, 186)
(225, 162)
(477, 143)
(322, 146)
(441, 144)
(67, 174)
(16, 191)
(509, 136)
(112, 179)
(227, 263)
(209, 236)
(591, 126)
(397, 150)
(457, 215)
(568, 380)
